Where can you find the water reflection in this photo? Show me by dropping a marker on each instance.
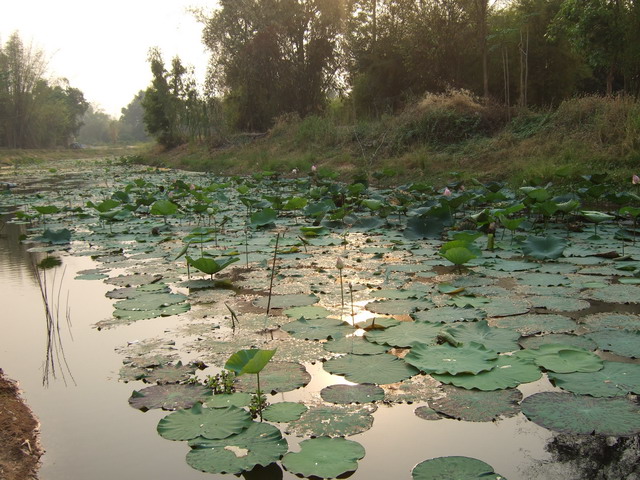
(43, 272)
(55, 359)
(596, 457)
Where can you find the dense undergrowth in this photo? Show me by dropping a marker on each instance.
(435, 139)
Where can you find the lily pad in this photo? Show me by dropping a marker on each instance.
(150, 301)
(558, 304)
(406, 334)
(333, 421)
(276, 377)
(449, 315)
(376, 369)
(345, 394)
(317, 329)
(469, 358)
(283, 412)
(567, 359)
(199, 421)
(324, 457)
(476, 405)
(621, 342)
(509, 372)
(544, 248)
(170, 374)
(286, 301)
(615, 379)
(259, 444)
(398, 307)
(454, 468)
(537, 323)
(238, 399)
(506, 307)
(169, 397)
(583, 414)
(307, 312)
(355, 345)
(533, 342)
(426, 413)
(602, 321)
(498, 339)
(614, 294)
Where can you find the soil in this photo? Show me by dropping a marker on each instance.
(19, 431)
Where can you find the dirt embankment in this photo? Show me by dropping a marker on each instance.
(19, 447)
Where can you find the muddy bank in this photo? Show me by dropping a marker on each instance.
(19, 448)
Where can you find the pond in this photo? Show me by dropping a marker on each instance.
(394, 271)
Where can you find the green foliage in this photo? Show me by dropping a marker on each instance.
(221, 383)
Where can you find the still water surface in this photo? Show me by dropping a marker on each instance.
(90, 432)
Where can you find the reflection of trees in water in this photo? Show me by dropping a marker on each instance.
(596, 457)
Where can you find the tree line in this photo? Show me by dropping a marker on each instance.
(270, 58)
(35, 112)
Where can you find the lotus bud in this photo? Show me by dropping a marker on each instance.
(314, 169)
(447, 192)
(635, 179)
(339, 263)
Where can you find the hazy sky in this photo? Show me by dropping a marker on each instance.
(101, 47)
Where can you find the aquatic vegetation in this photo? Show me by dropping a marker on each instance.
(523, 311)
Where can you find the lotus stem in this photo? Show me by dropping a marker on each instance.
(273, 273)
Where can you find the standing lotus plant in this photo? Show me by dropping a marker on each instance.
(251, 361)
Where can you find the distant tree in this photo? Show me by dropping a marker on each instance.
(35, 112)
(95, 128)
(131, 122)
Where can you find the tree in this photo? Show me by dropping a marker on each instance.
(131, 122)
(596, 30)
(272, 57)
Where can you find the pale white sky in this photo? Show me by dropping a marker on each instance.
(101, 47)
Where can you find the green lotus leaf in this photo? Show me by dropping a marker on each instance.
(476, 405)
(55, 237)
(378, 323)
(583, 414)
(199, 421)
(498, 339)
(324, 457)
(46, 209)
(544, 248)
(603, 321)
(567, 359)
(506, 306)
(454, 468)
(283, 412)
(355, 345)
(307, 312)
(595, 216)
(248, 361)
(295, 203)
(394, 294)
(263, 217)
(543, 279)
(449, 315)
(406, 334)
(259, 444)
(470, 358)
(317, 329)
(345, 394)
(209, 265)
(286, 301)
(377, 369)
(558, 304)
(509, 372)
(537, 323)
(238, 399)
(621, 342)
(163, 207)
(276, 377)
(426, 413)
(615, 379)
(170, 374)
(150, 301)
(169, 397)
(458, 255)
(133, 280)
(536, 341)
(614, 294)
(334, 421)
(398, 307)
